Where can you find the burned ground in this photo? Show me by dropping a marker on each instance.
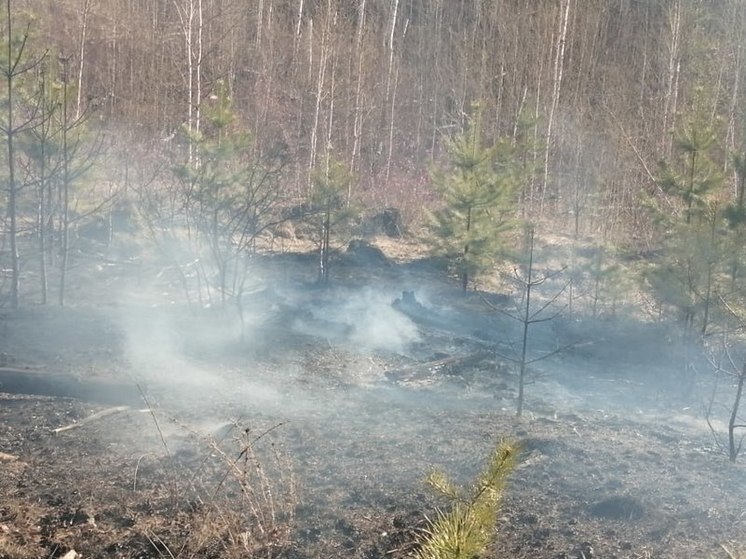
(311, 437)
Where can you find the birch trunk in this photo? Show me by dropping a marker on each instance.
(81, 56)
(672, 77)
(320, 80)
(357, 126)
(559, 57)
(193, 33)
(390, 98)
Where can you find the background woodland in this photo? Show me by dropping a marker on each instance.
(619, 121)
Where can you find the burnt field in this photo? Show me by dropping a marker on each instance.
(153, 429)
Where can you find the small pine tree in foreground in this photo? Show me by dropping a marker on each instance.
(467, 529)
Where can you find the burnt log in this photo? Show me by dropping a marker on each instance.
(408, 305)
(38, 383)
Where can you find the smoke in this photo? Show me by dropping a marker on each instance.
(363, 319)
(195, 360)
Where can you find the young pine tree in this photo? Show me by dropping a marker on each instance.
(230, 194)
(478, 189)
(329, 208)
(691, 223)
(467, 529)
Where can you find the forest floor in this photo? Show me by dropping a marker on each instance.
(312, 435)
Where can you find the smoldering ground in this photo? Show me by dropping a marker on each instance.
(305, 352)
(338, 372)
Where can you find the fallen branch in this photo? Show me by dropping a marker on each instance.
(91, 418)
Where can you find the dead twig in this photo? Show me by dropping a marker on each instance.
(157, 544)
(91, 418)
(727, 551)
(137, 469)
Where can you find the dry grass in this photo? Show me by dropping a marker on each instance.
(240, 500)
(733, 552)
(19, 529)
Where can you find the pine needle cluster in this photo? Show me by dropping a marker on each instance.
(466, 530)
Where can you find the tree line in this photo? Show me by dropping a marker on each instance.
(380, 83)
(618, 119)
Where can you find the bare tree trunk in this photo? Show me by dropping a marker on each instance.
(733, 111)
(357, 127)
(296, 36)
(186, 19)
(559, 58)
(526, 323)
(10, 134)
(320, 80)
(672, 78)
(390, 82)
(332, 85)
(41, 217)
(733, 448)
(465, 272)
(65, 185)
(259, 25)
(392, 123)
(198, 69)
(81, 55)
(310, 50)
(266, 70)
(392, 30)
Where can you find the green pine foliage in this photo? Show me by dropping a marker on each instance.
(478, 190)
(687, 276)
(692, 224)
(329, 186)
(735, 212)
(217, 166)
(694, 175)
(230, 195)
(608, 280)
(329, 209)
(466, 530)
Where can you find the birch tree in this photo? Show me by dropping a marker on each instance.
(328, 209)
(559, 65)
(190, 16)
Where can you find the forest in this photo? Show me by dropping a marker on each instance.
(253, 164)
(622, 121)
